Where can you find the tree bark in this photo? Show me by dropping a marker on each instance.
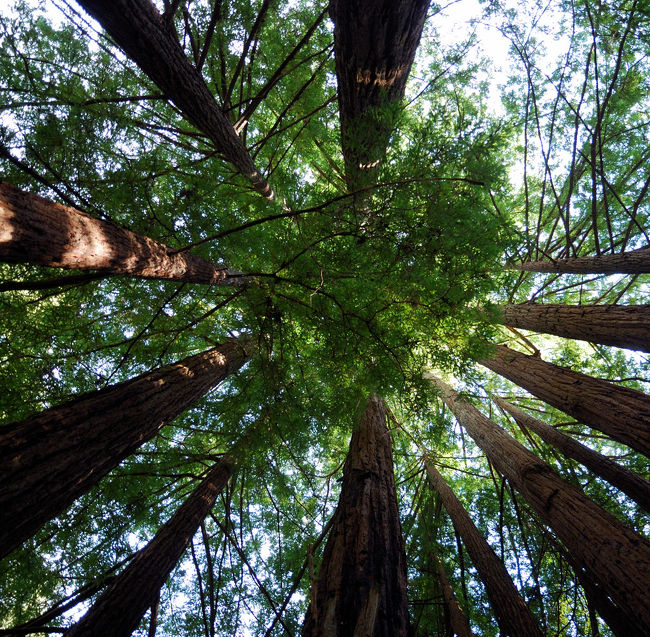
(627, 481)
(459, 624)
(610, 553)
(120, 608)
(511, 612)
(633, 262)
(374, 46)
(36, 230)
(145, 36)
(361, 585)
(49, 460)
(621, 413)
(618, 325)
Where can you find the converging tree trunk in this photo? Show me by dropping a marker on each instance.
(118, 611)
(511, 612)
(49, 460)
(36, 230)
(457, 620)
(627, 481)
(633, 262)
(621, 413)
(361, 584)
(618, 325)
(609, 552)
(150, 41)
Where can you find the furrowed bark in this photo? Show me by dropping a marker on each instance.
(609, 552)
(621, 413)
(36, 230)
(120, 608)
(633, 262)
(618, 325)
(457, 619)
(511, 612)
(627, 481)
(361, 585)
(49, 460)
(139, 29)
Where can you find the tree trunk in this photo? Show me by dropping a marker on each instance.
(627, 481)
(35, 230)
(49, 460)
(149, 40)
(511, 612)
(618, 325)
(621, 413)
(118, 611)
(633, 262)
(457, 620)
(610, 553)
(374, 46)
(361, 585)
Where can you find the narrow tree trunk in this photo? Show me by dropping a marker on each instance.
(627, 481)
(118, 611)
(633, 262)
(36, 230)
(361, 585)
(612, 554)
(511, 612)
(457, 620)
(619, 325)
(49, 460)
(145, 36)
(621, 413)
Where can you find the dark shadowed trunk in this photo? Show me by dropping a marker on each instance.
(615, 556)
(634, 262)
(619, 325)
(149, 40)
(457, 620)
(118, 611)
(511, 612)
(621, 413)
(49, 460)
(361, 584)
(36, 230)
(627, 481)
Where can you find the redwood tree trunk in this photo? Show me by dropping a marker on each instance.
(49, 460)
(457, 620)
(149, 40)
(619, 325)
(511, 612)
(621, 413)
(610, 553)
(633, 262)
(361, 585)
(36, 230)
(118, 611)
(627, 481)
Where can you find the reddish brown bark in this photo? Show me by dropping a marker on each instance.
(118, 611)
(627, 481)
(36, 230)
(361, 585)
(609, 552)
(621, 413)
(139, 29)
(618, 325)
(457, 620)
(511, 612)
(49, 460)
(633, 262)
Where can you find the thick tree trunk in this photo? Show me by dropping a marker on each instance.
(457, 620)
(627, 481)
(361, 585)
(374, 46)
(612, 554)
(621, 413)
(118, 611)
(619, 325)
(633, 262)
(36, 230)
(49, 460)
(143, 34)
(511, 612)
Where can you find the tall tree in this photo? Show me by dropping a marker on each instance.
(633, 262)
(457, 620)
(361, 584)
